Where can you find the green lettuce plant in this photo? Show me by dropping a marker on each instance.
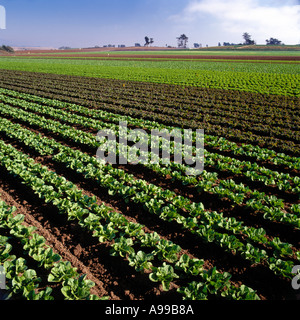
(164, 274)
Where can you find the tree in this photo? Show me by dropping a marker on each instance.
(247, 38)
(182, 41)
(147, 41)
(7, 48)
(274, 41)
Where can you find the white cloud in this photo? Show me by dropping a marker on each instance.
(262, 19)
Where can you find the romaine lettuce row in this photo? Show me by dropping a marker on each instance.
(255, 150)
(168, 217)
(169, 212)
(19, 279)
(35, 167)
(222, 164)
(25, 281)
(237, 198)
(255, 255)
(164, 208)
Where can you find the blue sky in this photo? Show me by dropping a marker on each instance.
(79, 23)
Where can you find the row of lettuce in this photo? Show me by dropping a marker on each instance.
(100, 121)
(211, 227)
(171, 207)
(23, 282)
(107, 226)
(245, 150)
(248, 170)
(271, 206)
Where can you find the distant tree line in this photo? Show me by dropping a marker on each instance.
(249, 41)
(225, 44)
(274, 42)
(64, 48)
(182, 42)
(7, 48)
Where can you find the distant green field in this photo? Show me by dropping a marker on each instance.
(186, 52)
(94, 66)
(268, 78)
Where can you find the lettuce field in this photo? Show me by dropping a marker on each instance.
(72, 228)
